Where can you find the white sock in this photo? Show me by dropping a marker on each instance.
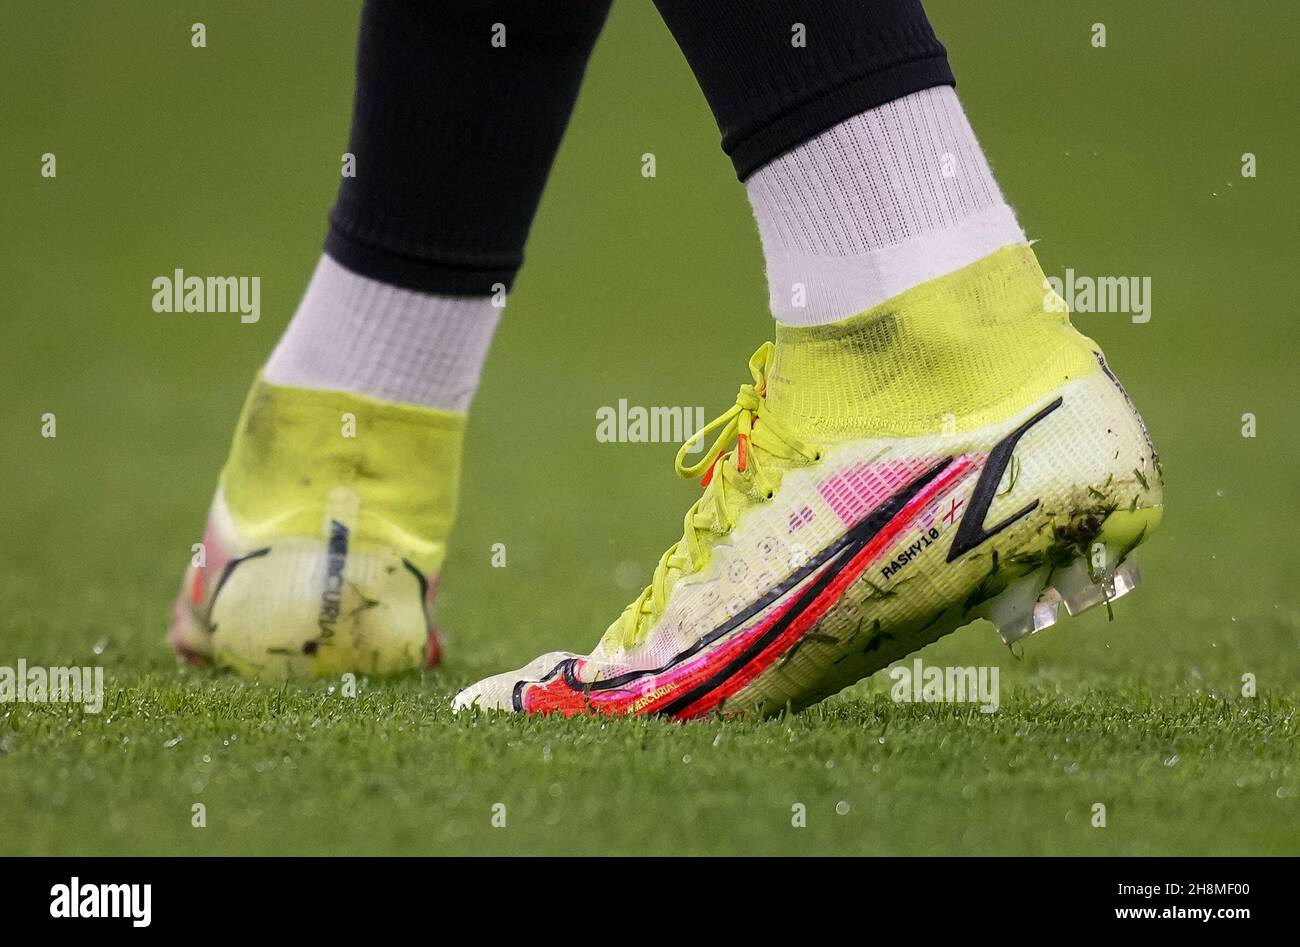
(352, 333)
(875, 205)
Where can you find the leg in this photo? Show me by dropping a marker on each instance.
(865, 177)
(928, 442)
(330, 522)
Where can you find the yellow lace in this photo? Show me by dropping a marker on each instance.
(730, 477)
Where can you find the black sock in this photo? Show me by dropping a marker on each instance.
(770, 94)
(454, 136)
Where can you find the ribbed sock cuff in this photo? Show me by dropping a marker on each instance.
(352, 333)
(809, 118)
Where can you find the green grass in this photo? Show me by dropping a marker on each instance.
(294, 770)
(1124, 161)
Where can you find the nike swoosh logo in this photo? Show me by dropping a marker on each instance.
(221, 583)
(971, 531)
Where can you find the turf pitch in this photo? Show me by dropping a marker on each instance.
(1122, 161)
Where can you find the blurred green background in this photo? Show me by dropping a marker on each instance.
(1120, 161)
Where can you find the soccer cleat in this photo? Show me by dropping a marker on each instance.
(960, 452)
(325, 538)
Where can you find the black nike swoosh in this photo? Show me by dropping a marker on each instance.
(225, 575)
(971, 531)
